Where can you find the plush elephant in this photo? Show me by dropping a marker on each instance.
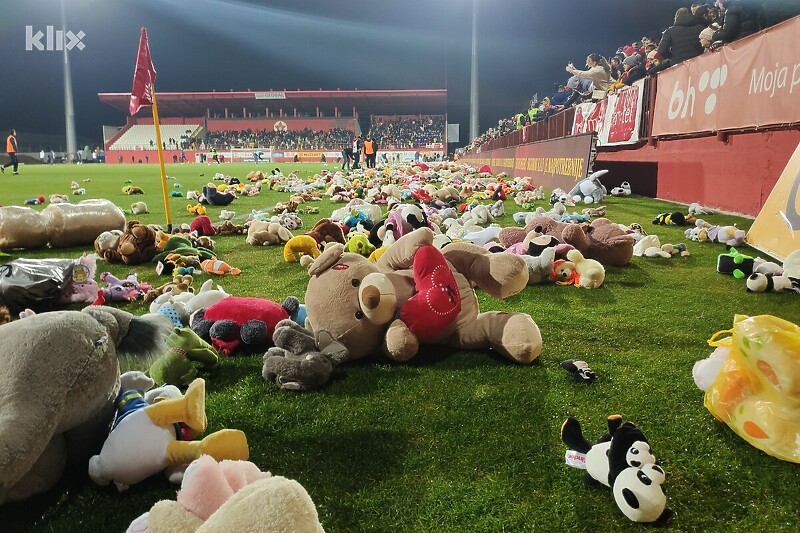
(59, 375)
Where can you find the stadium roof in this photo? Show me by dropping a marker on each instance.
(366, 102)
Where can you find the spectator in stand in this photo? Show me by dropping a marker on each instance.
(707, 40)
(559, 97)
(679, 41)
(739, 19)
(655, 63)
(634, 70)
(599, 72)
(616, 66)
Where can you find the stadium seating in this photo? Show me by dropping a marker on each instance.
(143, 136)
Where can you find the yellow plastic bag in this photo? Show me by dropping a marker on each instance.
(757, 392)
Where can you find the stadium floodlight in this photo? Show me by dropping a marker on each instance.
(473, 91)
(69, 108)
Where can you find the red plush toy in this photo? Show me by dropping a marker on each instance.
(437, 301)
(203, 226)
(233, 321)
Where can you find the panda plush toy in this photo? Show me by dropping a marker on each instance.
(622, 460)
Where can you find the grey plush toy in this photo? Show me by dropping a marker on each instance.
(300, 359)
(59, 375)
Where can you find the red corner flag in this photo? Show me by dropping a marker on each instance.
(143, 77)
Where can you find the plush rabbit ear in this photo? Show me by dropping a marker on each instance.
(597, 174)
(326, 259)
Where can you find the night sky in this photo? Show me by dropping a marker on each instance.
(199, 45)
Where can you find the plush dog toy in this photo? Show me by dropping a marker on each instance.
(231, 496)
(416, 294)
(136, 245)
(262, 233)
(590, 190)
(148, 437)
(68, 417)
(620, 459)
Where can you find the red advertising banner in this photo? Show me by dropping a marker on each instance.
(556, 163)
(749, 83)
(623, 127)
(615, 119)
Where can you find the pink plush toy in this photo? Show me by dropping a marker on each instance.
(81, 286)
(232, 496)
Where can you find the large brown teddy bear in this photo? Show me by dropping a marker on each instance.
(602, 240)
(136, 245)
(417, 294)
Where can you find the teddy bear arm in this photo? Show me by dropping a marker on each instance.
(400, 255)
(400, 343)
(500, 275)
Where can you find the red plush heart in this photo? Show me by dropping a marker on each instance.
(437, 302)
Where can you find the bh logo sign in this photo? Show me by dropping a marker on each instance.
(682, 101)
(53, 39)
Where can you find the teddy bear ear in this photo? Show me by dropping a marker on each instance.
(327, 259)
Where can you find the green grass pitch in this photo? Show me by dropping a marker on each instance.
(462, 441)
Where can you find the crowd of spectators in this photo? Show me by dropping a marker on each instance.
(408, 132)
(699, 28)
(305, 139)
(390, 133)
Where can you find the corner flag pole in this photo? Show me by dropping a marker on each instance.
(143, 93)
(164, 191)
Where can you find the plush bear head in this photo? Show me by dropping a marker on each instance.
(137, 244)
(353, 304)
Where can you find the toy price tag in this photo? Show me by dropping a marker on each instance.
(575, 459)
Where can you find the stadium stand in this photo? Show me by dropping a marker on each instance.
(142, 136)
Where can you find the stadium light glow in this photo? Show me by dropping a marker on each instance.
(69, 108)
(473, 85)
